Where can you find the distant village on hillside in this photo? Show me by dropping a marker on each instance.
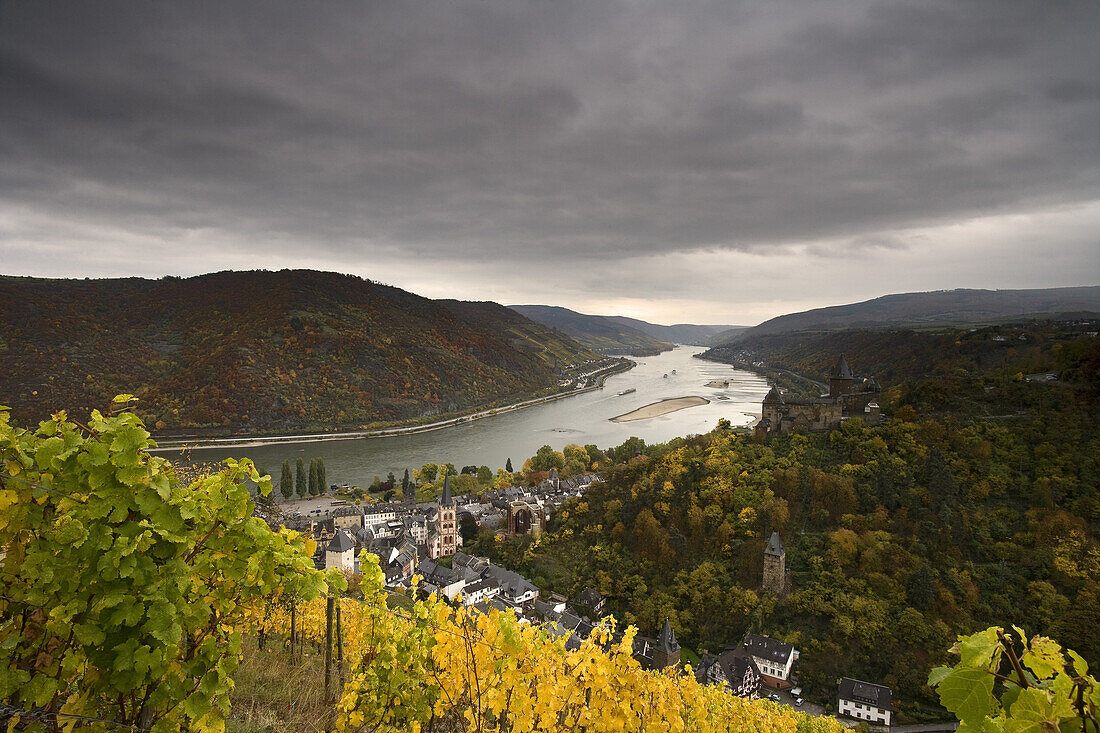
(424, 540)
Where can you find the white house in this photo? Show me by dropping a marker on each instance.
(864, 701)
(773, 658)
(340, 552)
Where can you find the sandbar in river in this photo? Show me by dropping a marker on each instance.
(661, 408)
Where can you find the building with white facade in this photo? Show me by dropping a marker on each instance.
(774, 659)
(340, 552)
(864, 701)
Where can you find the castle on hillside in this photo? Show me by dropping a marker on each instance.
(849, 396)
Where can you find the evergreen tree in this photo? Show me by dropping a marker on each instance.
(405, 481)
(286, 481)
(508, 466)
(300, 478)
(314, 490)
(322, 477)
(391, 479)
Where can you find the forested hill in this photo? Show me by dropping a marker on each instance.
(896, 356)
(941, 308)
(264, 351)
(603, 333)
(976, 502)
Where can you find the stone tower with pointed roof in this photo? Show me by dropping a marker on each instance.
(775, 566)
(842, 379)
(667, 651)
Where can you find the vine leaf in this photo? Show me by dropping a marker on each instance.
(968, 693)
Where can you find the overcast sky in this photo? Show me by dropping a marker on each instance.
(675, 161)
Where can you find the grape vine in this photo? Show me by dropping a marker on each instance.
(1005, 683)
(124, 591)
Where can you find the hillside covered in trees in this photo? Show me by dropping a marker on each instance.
(264, 351)
(606, 334)
(978, 502)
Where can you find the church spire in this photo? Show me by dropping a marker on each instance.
(446, 499)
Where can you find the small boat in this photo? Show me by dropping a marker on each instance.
(673, 371)
(666, 376)
(628, 391)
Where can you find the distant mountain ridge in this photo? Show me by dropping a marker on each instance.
(678, 333)
(620, 333)
(942, 307)
(265, 351)
(601, 333)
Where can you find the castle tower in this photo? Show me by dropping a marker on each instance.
(446, 525)
(667, 651)
(841, 380)
(775, 566)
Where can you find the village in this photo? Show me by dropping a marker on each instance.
(423, 540)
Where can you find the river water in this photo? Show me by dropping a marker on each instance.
(582, 419)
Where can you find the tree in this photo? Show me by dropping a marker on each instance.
(145, 620)
(286, 481)
(405, 481)
(922, 588)
(467, 527)
(508, 466)
(546, 458)
(429, 472)
(300, 484)
(484, 475)
(314, 488)
(468, 470)
(391, 479)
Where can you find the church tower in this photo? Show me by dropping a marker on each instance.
(446, 525)
(775, 566)
(667, 651)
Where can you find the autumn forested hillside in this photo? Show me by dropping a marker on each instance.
(977, 501)
(263, 351)
(898, 356)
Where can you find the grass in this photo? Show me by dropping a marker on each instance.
(274, 696)
(687, 656)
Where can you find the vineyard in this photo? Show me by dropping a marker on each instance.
(126, 597)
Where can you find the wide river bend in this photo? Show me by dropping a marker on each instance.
(582, 419)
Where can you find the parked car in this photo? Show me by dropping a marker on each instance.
(798, 702)
(774, 697)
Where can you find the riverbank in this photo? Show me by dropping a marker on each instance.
(596, 381)
(663, 407)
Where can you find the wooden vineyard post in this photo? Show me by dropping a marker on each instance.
(293, 628)
(330, 605)
(340, 644)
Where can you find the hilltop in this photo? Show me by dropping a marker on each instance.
(619, 334)
(938, 309)
(265, 351)
(602, 333)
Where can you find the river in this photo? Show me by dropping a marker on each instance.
(582, 419)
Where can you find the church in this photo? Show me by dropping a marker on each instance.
(443, 537)
(849, 396)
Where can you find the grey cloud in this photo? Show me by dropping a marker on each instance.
(535, 131)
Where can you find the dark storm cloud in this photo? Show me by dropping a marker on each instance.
(538, 130)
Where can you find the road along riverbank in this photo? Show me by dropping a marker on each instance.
(244, 441)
